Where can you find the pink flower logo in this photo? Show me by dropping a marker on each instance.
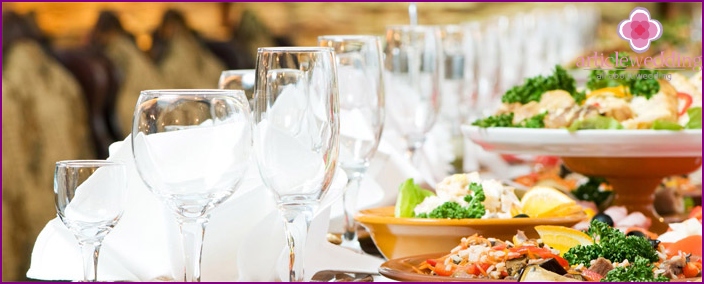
(640, 29)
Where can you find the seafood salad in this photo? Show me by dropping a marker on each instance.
(612, 99)
(602, 253)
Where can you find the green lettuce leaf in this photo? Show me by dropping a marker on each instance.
(666, 125)
(597, 122)
(409, 196)
(695, 118)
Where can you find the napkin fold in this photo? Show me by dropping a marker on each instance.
(244, 240)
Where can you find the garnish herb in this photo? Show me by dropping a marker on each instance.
(453, 210)
(536, 121)
(590, 191)
(500, 120)
(611, 244)
(533, 88)
(506, 120)
(641, 270)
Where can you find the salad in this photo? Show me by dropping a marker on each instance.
(602, 253)
(467, 196)
(613, 99)
(460, 196)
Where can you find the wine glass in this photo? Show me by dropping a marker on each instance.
(412, 67)
(239, 79)
(296, 128)
(361, 89)
(90, 196)
(191, 148)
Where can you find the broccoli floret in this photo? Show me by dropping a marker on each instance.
(641, 270)
(453, 210)
(611, 244)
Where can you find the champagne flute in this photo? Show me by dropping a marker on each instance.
(191, 148)
(90, 196)
(239, 79)
(412, 67)
(361, 89)
(296, 128)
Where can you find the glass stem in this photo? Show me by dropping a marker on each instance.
(90, 250)
(414, 146)
(297, 217)
(349, 200)
(192, 233)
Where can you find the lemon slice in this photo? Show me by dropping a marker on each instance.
(562, 238)
(562, 211)
(618, 91)
(539, 201)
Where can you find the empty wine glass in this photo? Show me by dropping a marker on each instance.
(361, 89)
(296, 128)
(191, 148)
(90, 197)
(239, 79)
(412, 67)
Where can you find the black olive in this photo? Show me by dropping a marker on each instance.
(604, 218)
(636, 233)
(521, 216)
(564, 171)
(654, 243)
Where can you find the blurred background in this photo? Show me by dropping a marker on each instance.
(72, 71)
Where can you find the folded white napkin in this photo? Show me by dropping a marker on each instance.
(244, 239)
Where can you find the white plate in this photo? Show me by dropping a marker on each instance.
(587, 143)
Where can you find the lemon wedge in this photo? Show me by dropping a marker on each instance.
(543, 201)
(618, 91)
(562, 238)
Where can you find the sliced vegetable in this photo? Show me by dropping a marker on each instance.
(687, 102)
(441, 269)
(666, 125)
(597, 122)
(691, 270)
(695, 118)
(409, 196)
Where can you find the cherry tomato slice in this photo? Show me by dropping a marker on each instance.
(687, 101)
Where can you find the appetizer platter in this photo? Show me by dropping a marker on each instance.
(423, 221)
(601, 253)
(631, 127)
(550, 116)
